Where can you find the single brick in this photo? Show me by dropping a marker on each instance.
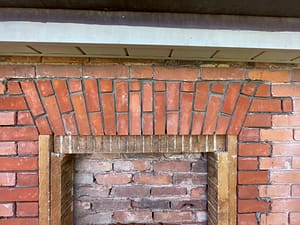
(147, 124)
(25, 209)
(106, 71)
(189, 204)
(173, 217)
(125, 217)
(108, 114)
(258, 120)
(92, 96)
(63, 98)
(121, 96)
(25, 118)
(147, 97)
(186, 113)
(220, 73)
(7, 179)
(255, 177)
(150, 204)
(18, 133)
(246, 192)
(231, 98)
(248, 206)
(27, 148)
(19, 194)
(174, 166)
(51, 70)
(267, 75)
(13, 88)
(201, 96)
(7, 118)
(12, 103)
(18, 163)
(70, 124)
(135, 113)
(96, 123)
(168, 191)
(214, 104)
(75, 85)
(141, 72)
(276, 135)
(197, 123)
(265, 105)
(6, 209)
(113, 178)
(152, 179)
(172, 123)
(7, 148)
(190, 179)
(43, 125)
(81, 114)
(176, 73)
(45, 87)
(159, 113)
(130, 191)
(27, 179)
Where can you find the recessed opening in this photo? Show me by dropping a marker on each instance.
(137, 180)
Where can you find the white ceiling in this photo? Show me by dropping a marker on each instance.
(129, 51)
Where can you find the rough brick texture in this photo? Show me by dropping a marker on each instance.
(259, 104)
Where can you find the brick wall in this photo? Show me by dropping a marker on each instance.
(259, 103)
(155, 190)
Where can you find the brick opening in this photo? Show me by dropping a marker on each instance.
(134, 190)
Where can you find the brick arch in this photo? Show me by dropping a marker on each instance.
(68, 106)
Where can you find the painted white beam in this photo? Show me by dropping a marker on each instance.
(70, 33)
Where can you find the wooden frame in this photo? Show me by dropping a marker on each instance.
(56, 166)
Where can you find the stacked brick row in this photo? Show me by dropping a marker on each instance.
(152, 191)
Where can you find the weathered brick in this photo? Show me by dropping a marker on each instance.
(18, 133)
(214, 104)
(27, 209)
(274, 191)
(173, 95)
(263, 90)
(294, 218)
(130, 191)
(248, 89)
(111, 204)
(20, 221)
(6, 210)
(285, 176)
(139, 165)
(274, 218)
(201, 96)
(275, 163)
(92, 96)
(172, 123)
(231, 98)
(258, 120)
(176, 73)
(190, 179)
(52, 70)
(19, 194)
(296, 162)
(43, 125)
(296, 190)
(247, 163)
(17, 71)
(141, 216)
(93, 166)
(54, 115)
(268, 75)
(45, 87)
(246, 192)
(27, 148)
(106, 71)
(32, 97)
(150, 204)
(187, 86)
(226, 73)
(254, 149)
(88, 192)
(218, 88)
(2, 88)
(13, 88)
(135, 113)
(159, 113)
(24, 118)
(160, 86)
(247, 219)
(7, 118)
(113, 178)
(104, 217)
(27, 179)
(109, 114)
(147, 97)
(265, 105)
(248, 206)
(141, 72)
(135, 85)
(122, 121)
(222, 125)
(189, 204)
(285, 90)
(286, 205)
(82, 178)
(63, 98)
(12, 103)
(146, 178)
(197, 123)
(287, 105)
(248, 134)
(13, 163)
(173, 217)
(168, 191)
(7, 179)
(70, 124)
(75, 85)
(186, 113)
(106, 85)
(174, 166)
(286, 149)
(81, 114)
(276, 135)
(7, 148)
(257, 177)
(96, 123)
(199, 166)
(121, 96)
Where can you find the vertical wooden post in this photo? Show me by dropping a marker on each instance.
(45, 148)
(232, 157)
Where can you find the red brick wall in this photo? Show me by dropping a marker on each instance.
(152, 190)
(259, 103)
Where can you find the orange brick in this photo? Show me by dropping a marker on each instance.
(48, 70)
(258, 120)
(276, 135)
(17, 164)
(24, 118)
(175, 166)
(7, 179)
(274, 191)
(254, 149)
(257, 177)
(121, 96)
(176, 73)
(247, 206)
(218, 88)
(287, 105)
(239, 115)
(267, 75)
(96, 124)
(297, 134)
(109, 114)
(186, 113)
(13, 88)
(201, 96)
(135, 113)
(173, 217)
(27, 209)
(19, 194)
(122, 124)
(54, 115)
(106, 85)
(246, 192)
(159, 179)
(172, 123)
(135, 85)
(285, 176)
(222, 73)
(2, 88)
(62, 94)
(296, 105)
(18, 133)
(285, 90)
(248, 89)
(7, 118)
(247, 163)
(275, 163)
(160, 86)
(247, 219)
(43, 125)
(172, 95)
(45, 87)
(147, 124)
(222, 125)
(248, 134)
(92, 96)
(70, 124)
(159, 113)
(231, 98)
(81, 114)
(12, 103)
(286, 120)
(106, 71)
(141, 72)
(7, 148)
(187, 86)
(214, 104)
(263, 90)
(75, 85)
(265, 105)
(147, 97)
(197, 123)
